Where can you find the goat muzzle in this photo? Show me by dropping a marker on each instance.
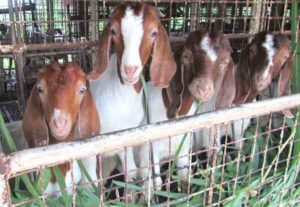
(202, 89)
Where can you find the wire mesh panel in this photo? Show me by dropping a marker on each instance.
(214, 165)
(258, 167)
(48, 22)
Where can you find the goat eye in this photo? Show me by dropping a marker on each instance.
(113, 32)
(82, 90)
(154, 34)
(216, 48)
(40, 91)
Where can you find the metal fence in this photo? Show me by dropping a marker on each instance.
(259, 168)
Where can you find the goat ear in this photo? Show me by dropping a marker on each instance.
(285, 81)
(163, 66)
(244, 77)
(175, 93)
(224, 42)
(34, 124)
(88, 123)
(226, 92)
(102, 56)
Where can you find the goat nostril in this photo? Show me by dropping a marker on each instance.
(129, 70)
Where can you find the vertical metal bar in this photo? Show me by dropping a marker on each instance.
(234, 17)
(86, 28)
(256, 13)
(190, 164)
(185, 9)
(169, 171)
(12, 21)
(101, 184)
(170, 16)
(213, 166)
(296, 65)
(126, 178)
(94, 20)
(265, 153)
(24, 22)
(73, 183)
(150, 177)
(211, 14)
(284, 16)
(19, 60)
(220, 17)
(17, 22)
(238, 160)
(223, 163)
(4, 192)
(286, 173)
(246, 16)
(263, 19)
(194, 16)
(207, 180)
(43, 186)
(94, 24)
(50, 18)
(269, 16)
(254, 154)
(280, 144)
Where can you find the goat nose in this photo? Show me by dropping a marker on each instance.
(129, 70)
(60, 122)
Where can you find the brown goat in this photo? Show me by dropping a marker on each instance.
(265, 58)
(60, 108)
(204, 72)
(204, 66)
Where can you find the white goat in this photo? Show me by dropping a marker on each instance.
(134, 28)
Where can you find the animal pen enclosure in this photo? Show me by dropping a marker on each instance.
(259, 169)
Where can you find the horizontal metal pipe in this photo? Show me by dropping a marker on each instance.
(66, 46)
(32, 159)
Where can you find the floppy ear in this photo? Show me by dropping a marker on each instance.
(224, 42)
(226, 92)
(243, 76)
(163, 66)
(285, 81)
(102, 56)
(34, 125)
(175, 93)
(88, 123)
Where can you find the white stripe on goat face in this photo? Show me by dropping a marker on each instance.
(269, 46)
(205, 45)
(57, 113)
(132, 31)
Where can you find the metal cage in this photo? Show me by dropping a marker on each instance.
(259, 169)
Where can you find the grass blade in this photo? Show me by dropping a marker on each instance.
(62, 185)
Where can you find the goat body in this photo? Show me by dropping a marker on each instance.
(120, 107)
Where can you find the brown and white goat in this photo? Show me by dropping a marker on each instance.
(61, 108)
(204, 66)
(265, 58)
(135, 30)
